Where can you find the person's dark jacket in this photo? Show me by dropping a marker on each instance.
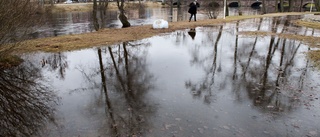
(193, 7)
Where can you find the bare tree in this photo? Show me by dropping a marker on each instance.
(95, 18)
(290, 5)
(264, 11)
(240, 11)
(317, 4)
(123, 18)
(212, 8)
(17, 17)
(281, 5)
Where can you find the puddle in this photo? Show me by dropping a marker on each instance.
(203, 82)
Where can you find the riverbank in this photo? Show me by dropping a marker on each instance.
(111, 6)
(113, 36)
(107, 37)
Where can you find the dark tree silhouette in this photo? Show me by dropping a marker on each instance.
(26, 104)
(123, 18)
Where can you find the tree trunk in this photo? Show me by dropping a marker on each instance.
(122, 16)
(290, 5)
(281, 6)
(124, 20)
(300, 7)
(239, 3)
(264, 11)
(276, 5)
(95, 19)
(317, 4)
(227, 8)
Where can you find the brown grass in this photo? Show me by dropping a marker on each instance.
(73, 7)
(314, 55)
(315, 25)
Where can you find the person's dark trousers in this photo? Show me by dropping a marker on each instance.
(195, 17)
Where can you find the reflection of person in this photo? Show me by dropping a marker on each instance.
(193, 9)
(192, 33)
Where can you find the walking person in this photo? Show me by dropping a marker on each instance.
(193, 7)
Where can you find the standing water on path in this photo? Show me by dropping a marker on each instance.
(203, 82)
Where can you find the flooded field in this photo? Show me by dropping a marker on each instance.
(64, 23)
(206, 81)
(81, 22)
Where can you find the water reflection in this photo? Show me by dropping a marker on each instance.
(204, 88)
(56, 62)
(81, 22)
(63, 23)
(26, 104)
(192, 33)
(220, 83)
(132, 81)
(117, 86)
(265, 74)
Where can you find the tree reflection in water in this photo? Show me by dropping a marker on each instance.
(56, 62)
(124, 81)
(277, 93)
(26, 104)
(206, 86)
(269, 77)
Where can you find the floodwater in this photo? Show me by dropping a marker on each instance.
(63, 23)
(203, 82)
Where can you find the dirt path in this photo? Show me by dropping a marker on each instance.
(112, 36)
